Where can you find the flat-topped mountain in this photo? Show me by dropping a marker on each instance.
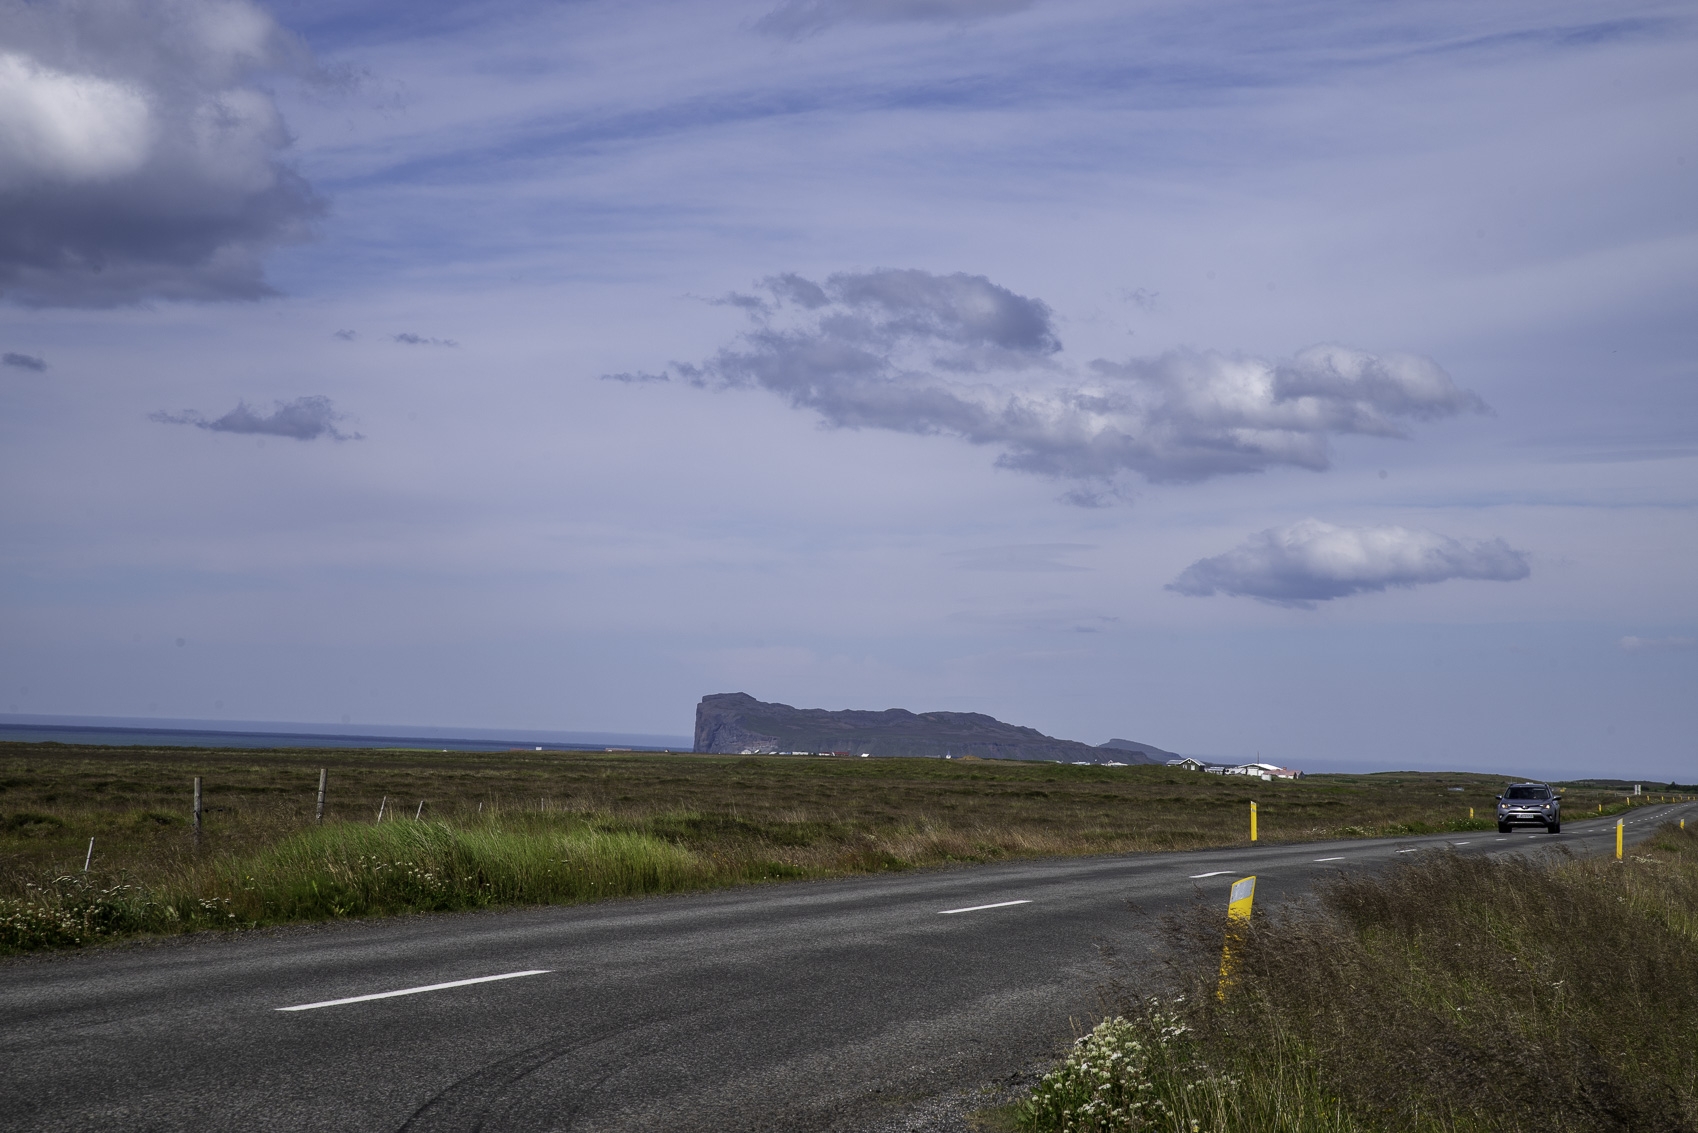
(736, 723)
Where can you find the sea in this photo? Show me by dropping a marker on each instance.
(141, 731)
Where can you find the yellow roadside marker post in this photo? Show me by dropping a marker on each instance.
(1237, 916)
(1618, 839)
(1470, 812)
(1252, 823)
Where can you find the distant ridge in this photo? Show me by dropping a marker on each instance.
(734, 723)
(1154, 753)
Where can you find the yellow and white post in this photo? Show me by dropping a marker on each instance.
(1237, 916)
(1252, 830)
(1618, 839)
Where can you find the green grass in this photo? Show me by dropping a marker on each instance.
(495, 828)
(1462, 995)
(345, 870)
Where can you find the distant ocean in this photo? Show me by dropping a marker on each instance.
(122, 731)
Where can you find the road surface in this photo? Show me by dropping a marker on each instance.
(793, 1007)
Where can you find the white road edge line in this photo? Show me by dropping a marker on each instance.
(1416, 850)
(976, 908)
(414, 990)
(1337, 859)
(1459, 843)
(1216, 873)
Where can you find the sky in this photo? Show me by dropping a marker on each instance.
(1311, 381)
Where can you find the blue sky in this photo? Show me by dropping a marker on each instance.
(1311, 379)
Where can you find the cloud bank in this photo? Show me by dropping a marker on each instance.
(24, 361)
(140, 152)
(304, 419)
(795, 19)
(1311, 561)
(958, 355)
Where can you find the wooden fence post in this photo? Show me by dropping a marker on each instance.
(197, 810)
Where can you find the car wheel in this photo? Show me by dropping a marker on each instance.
(1554, 827)
(1503, 828)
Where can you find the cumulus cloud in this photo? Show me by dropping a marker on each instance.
(1311, 561)
(958, 355)
(140, 153)
(1632, 644)
(24, 361)
(795, 19)
(304, 419)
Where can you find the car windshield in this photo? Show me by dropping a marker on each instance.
(1526, 793)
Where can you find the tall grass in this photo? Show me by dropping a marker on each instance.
(1452, 994)
(346, 870)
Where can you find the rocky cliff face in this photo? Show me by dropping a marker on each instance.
(735, 722)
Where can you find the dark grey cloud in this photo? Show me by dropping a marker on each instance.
(344, 335)
(304, 419)
(407, 338)
(141, 153)
(1311, 561)
(795, 19)
(958, 355)
(24, 361)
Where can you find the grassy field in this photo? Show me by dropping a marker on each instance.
(549, 827)
(1453, 995)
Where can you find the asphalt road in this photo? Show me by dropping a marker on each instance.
(803, 1006)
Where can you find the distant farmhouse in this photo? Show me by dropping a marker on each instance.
(1265, 771)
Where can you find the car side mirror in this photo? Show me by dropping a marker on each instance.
(1499, 798)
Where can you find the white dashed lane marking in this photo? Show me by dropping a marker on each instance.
(976, 908)
(1216, 873)
(414, 990)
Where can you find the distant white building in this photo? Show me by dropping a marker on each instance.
(1264, 771)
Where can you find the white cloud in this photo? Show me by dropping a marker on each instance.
(958, 355)
(1632, 644)
(1311, 561)
(64, 127)
(140, 152)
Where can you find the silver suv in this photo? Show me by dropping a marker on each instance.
(1529, 802)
